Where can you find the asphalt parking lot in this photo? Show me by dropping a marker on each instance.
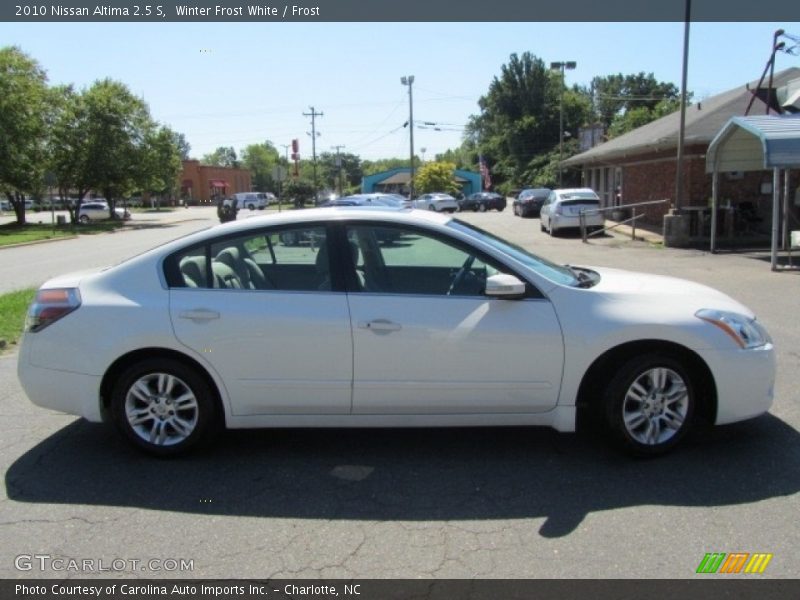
(456, 503)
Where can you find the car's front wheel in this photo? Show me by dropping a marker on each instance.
(84, 219)
(650, 404)
(163, 406)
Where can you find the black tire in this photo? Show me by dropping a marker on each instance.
(251, 206)
(649, 404)
(180, 428)
(84, 219)
(482, 207)
(541, 226)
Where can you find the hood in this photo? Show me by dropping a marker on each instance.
(660, 290)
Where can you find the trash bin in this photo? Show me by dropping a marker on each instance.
(61, 220)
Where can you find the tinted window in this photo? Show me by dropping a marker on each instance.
(291, 259)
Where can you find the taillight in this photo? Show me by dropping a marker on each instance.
(50, 305)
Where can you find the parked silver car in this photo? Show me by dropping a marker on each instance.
(436, 201)
(98, 211)
(563, 209)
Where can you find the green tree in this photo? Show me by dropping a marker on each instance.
(519, 118)
(70, 156)
(184, 148)
(625, 102)
(260, 159)
(370, 167)
(25, 107)
(161, 165)
(117, 127)
(350, 170)
(224, 156)
(436, 177)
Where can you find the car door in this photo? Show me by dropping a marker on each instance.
(426, 340)
(262, 310)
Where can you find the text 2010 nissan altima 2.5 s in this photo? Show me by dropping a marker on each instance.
(382, 317)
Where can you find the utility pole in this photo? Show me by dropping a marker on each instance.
(560, 66)
(682, 123)
(409, 81)
(339, 165)
(286, 151)
(314, 114)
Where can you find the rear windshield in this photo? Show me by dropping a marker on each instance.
(580, 202)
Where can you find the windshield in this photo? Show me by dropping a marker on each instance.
(545, 268)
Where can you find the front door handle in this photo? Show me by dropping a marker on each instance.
(380, 325)
(199, 314)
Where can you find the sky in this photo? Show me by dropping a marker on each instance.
(234, 84)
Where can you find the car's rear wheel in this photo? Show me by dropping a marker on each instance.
(431, 207)
(163, 407)
(482, 207)
(650, 404)
(516, 211)
(84, 219)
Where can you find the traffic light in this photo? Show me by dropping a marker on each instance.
(295, 148)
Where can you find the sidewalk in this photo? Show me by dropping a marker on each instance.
(643, 234)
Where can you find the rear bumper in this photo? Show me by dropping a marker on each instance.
(65, 391)
(562, 221)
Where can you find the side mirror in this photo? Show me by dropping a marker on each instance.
(505, 286)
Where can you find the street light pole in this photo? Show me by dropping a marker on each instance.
(560, 66)
(409, 81)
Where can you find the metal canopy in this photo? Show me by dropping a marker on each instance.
(756, 143)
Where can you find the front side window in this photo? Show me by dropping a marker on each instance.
(396, 260)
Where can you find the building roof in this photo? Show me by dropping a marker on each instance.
(756, 143)
(704, 120)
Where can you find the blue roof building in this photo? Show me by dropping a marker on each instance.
(397, 181)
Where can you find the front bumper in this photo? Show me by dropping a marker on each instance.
(745, 381)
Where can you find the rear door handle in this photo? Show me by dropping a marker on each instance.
(380, 325)
(199, 314)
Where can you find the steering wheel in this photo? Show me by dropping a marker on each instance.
(462, 272)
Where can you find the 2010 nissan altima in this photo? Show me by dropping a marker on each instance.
(380, 317)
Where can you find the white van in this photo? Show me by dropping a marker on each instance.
(253, 200)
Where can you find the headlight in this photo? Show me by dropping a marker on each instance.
(746, 332)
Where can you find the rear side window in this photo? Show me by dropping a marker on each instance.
(289, 259)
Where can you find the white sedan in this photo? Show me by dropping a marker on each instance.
(385, 318)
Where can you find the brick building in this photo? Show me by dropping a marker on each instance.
(200, 184)
(641, 165)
